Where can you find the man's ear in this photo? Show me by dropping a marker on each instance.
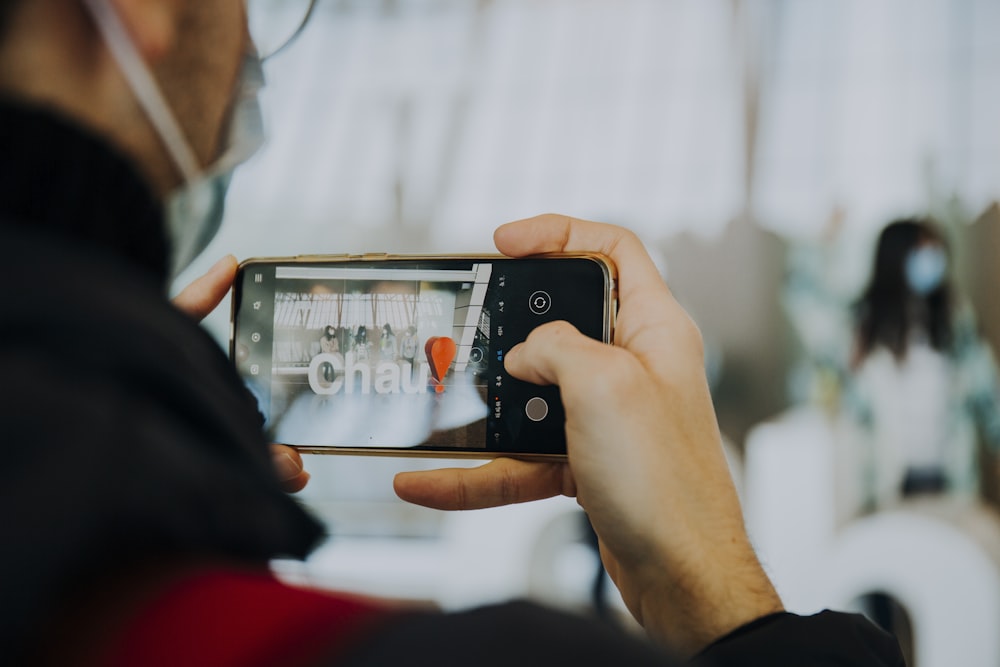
(153, 24)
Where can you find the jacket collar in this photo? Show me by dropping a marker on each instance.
(62, 179)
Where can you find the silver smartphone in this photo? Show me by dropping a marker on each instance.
(403, 355)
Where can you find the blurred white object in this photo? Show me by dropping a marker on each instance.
(938, 557)
(939, 560)
(531, 550)
(423, 124)
(882, 108)
(789, 500)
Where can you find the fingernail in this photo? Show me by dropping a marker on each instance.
(286, 466)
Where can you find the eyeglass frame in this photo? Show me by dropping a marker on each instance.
(310, 10)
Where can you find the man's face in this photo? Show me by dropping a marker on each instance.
(199, 74)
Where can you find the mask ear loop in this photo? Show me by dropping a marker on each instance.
(147, 92)
(245, 114)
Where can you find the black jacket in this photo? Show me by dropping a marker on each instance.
(128, 438)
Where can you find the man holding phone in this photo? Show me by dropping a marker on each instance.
(142, 501)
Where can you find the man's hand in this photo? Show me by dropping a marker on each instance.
(202, 296)
(645, 454)
(288, 463)
(198, 300)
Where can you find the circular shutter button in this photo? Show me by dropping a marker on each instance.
(536, 409)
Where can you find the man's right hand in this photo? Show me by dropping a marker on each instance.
(645, 453)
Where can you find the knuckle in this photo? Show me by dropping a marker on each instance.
(691, 337)
(461, 493)
(507, 486)
(627, 235)
(625, 238)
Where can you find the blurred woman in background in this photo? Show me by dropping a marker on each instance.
(921, 377)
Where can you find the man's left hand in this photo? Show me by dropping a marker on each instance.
(199, 299)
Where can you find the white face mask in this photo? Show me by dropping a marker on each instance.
(925, 269)
(194, 211)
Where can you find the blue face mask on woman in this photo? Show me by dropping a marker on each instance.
(925, 269)
(194, 211)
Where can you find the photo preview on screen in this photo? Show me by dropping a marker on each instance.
(380, 357)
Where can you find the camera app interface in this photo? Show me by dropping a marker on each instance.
(399, 354)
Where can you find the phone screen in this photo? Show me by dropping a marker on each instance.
(407, 354)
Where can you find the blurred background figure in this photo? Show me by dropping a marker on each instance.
(362, 347)
(328, 344)
(923, 378)
(903, 362)
(387, 343)
(897, 406)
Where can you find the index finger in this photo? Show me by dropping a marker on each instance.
(560, 233)
(660, 323)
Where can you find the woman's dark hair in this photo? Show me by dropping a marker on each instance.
(889, 310)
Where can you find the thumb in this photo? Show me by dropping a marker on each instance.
(556, 353)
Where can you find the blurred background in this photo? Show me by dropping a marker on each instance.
(759, 147)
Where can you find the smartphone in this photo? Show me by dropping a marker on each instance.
(403, 355)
